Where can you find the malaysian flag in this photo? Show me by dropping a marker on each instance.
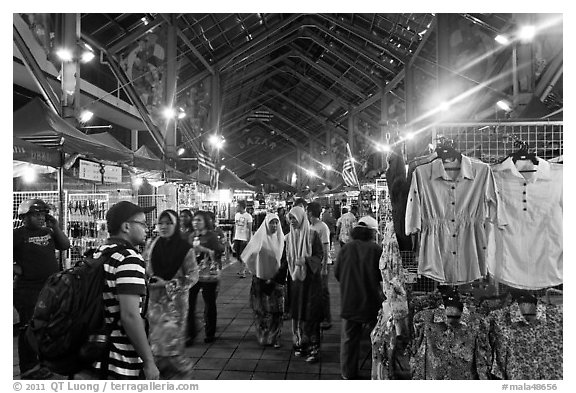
(205, 160)
(349, 174)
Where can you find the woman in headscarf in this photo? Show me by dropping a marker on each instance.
(263, 256)
(303, 260)
(172, 270)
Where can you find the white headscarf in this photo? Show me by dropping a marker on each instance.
(298, 243)
(264, 251)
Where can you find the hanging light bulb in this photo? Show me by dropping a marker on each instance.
(86, 116)
(169, 113)
(181, 151)
(64, 54)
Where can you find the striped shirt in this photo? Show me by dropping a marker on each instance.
(124, 275)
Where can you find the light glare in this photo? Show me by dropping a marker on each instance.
(29, 175)
(526, 33)
(85, 116)
(501, 39)
(64, 54)
(169, 113)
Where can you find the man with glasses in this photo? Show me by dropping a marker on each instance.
(124, 294)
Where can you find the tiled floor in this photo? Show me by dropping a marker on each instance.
(235, 354)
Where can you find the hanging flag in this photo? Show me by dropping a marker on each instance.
(349, 174)
(349, 171)
(205, 160)
(214, 176)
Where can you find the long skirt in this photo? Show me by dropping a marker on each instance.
(167, 314)
(267, 302)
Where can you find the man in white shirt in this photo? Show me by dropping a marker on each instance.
(319, 226)
(345, 224)
(242, 234)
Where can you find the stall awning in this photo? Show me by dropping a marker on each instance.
(34, 154)
(36, 123)
(229, 179)
(257, 176)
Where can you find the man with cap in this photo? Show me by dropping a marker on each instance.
(124, 294)
(34, 244)
(357, 271)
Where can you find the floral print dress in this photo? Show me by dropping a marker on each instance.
(167, 315)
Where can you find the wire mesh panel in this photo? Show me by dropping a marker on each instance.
(161, 203)
(86, 222)
(492, 142)
(50, 197)
(116, 196)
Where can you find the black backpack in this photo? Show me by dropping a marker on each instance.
(67, 328)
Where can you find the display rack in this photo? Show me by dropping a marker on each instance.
(491, 142)
(50, 197)
(85, 223)
(161, 203)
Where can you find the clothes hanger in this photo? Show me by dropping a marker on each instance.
(522, 154)
(446, 152)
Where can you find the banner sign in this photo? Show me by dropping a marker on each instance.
(112, 174)
(89, 170)
(94, 171)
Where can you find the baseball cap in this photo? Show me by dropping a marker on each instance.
(121, 212)
(368, 221)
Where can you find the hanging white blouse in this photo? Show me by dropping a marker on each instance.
(450, 213)
(526, 250)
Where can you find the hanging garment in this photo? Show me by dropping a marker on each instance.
(448, 352)
(526, 249)
(388, 359)
(522, 349)
(450, 214)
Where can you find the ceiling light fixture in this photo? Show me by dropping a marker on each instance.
(502, 39)
(527, 33)
(85, 116)
(504, 105)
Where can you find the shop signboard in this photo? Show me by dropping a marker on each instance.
(112, 174)
(89, 170)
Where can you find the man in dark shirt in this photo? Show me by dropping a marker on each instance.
(357, 271)
(35, 245)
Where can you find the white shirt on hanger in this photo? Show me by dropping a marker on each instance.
(526, 249)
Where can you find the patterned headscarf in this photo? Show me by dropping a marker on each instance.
(298, 243)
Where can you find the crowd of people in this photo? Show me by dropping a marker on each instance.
(150, 297)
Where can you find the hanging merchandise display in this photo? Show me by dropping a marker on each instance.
(526, 249)
(449, 201)
(85, 223)
(526, 340)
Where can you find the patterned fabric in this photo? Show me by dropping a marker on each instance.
(526, 249)
(124, 274)
(523, 349)
(393, 276)
(450, 214)
(267, 302)
(346, 223)
(448, 351)
(168, 309)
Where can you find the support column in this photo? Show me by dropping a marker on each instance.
(298, 167)
(170, 98)
(215, 117)
(329, 155)
(134, 140)
(524, 82)
(351, 130)
(70, 72)
(380, 163)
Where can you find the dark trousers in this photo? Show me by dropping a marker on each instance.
(209, 291)
(326, 298)
(350, 336)
(24, 302)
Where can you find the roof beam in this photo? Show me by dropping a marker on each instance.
(186, 41)
(135, 35)
(291, 123)
(326, 72)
